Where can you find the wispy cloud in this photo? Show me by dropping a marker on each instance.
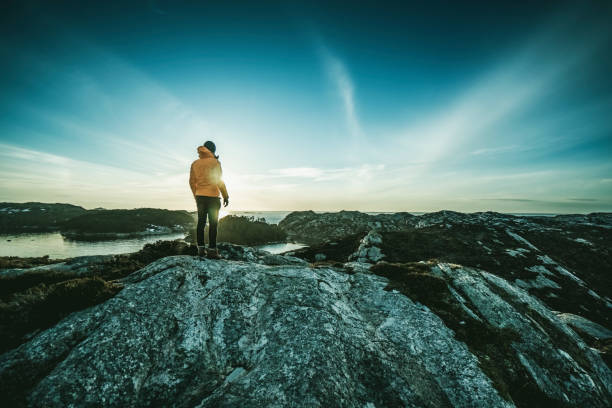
(517, 200)
(27, 174)
(493, 150)
(153, 112)
(586, 200)
(302, 172)
(478, 115)
(355, 174)
(339, 75)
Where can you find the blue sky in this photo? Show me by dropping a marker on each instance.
(469, 106)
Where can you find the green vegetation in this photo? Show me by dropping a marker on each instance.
(248, 231)
(244, 230)
(42, 306)
(36, 301)
(492, 345)
(336, 252)
(16, 262)
(79, 223)
(485, 248)
(128, 221)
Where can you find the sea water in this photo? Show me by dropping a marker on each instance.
(56, 246)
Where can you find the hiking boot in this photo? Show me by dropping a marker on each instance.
(201, 251)
(213, 253)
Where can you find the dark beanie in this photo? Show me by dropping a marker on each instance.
(210, 146)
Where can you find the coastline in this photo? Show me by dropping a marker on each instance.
(111, 236)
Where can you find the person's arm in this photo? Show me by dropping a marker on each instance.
(192, 182)
(222, 187)
(223, 190)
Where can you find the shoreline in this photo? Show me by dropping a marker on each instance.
(111, 236)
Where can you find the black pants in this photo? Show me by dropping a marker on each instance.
(207, 206)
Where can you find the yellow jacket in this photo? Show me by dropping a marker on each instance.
(205, 175)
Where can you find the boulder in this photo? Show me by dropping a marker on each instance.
(186, 331)
(314, 228)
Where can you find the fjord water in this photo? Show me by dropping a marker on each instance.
(54, 245)
(57, 247)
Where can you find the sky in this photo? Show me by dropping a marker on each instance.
(371, 106)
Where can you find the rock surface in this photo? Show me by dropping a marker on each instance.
(314, 228)
(587, 327)
(443, 309)
(35, 298)
(565, 261)
(369, 249)
(186, 331)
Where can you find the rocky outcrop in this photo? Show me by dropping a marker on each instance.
(186, 331)
(35, 217)
(444, 309)
(97, 224)
(243, 230)
(104, 224)
(593, 330)
(564, 261)
(33, 299)
(369, 249)
(314, 228)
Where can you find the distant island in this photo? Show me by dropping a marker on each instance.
(36, 217)
(78, 223)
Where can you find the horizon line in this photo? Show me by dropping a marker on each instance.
(228, 211)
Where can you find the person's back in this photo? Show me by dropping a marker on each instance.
(205, 177)
(206, 184)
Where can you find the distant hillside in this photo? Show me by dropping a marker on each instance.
(145, 220)
(244, 230)
(35, 217)
(248, 231)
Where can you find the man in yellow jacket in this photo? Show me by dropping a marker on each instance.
(206, 184)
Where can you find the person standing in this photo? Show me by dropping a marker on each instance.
(206, 184)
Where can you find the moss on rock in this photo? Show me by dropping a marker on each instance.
(41, 306)
(30, 302)
(491, 345)
(332, 252)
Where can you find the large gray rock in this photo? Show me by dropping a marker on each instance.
(369, 249)
(586, 327)
(186, 331)
(314, 228)
(557, 359)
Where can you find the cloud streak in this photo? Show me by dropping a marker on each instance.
(27, 173)
(516, 85)
(355, 174)
(336, 70)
